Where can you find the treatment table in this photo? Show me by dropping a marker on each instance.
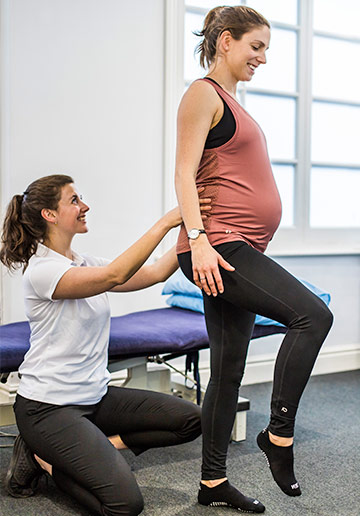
(137, 339)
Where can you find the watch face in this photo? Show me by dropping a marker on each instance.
(193, 233)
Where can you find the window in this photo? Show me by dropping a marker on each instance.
(307, 101)
(335, 150)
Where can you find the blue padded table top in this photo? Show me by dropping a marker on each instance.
(151, 332)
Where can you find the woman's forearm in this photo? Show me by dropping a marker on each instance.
(130, 261)
(149, 275)
(188, 200)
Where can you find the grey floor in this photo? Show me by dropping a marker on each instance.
(327, 462)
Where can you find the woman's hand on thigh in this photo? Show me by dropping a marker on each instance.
(206, 261)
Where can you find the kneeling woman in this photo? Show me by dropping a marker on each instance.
(71, 423)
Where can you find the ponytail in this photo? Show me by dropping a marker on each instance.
(210, 33)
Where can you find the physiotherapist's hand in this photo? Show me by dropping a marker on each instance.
(204, 203)
(205, 263)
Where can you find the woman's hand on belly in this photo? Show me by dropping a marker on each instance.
(205, 263)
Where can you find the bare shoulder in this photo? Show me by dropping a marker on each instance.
(201, 97)
(204, 87)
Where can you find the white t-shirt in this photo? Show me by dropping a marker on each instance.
(67, 360)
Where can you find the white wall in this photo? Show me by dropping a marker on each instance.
(82, 93)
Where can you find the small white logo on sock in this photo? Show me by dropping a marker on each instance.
(256, 501)
(284, 409)
(295, 486)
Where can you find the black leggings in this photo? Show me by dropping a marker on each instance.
(257, 286)
(85, 464)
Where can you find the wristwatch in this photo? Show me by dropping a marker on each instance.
(194, 233)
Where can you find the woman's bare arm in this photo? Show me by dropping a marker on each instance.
(80, 282)
(195, 116)
(198, 110)
(149, 275)
(165, 266)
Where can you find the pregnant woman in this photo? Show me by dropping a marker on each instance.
(221, 148)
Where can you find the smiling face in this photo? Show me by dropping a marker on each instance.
(70, 215)
(243, 56)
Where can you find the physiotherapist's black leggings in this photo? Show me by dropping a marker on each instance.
(85, 464)
(257, 286)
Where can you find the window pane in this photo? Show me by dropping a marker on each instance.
(210, 4)
(339, 17)
(328, 51)
(277, 10)
(335, 133)
(334, 199)
(274, 75)
(192, 68)
(276, 117)
(284, 176)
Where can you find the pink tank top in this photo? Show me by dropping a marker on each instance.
(237, 176)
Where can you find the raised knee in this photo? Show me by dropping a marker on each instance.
(324, 317)
(316, 322)
(330, 318)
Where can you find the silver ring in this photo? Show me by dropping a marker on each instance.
(201, 278)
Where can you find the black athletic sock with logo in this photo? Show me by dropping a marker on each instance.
(280, 460)
(227, 495)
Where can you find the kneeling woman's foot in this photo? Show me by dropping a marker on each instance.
(225, 494)
(280, 460)
(23, 473)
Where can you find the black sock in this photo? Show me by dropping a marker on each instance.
(226, 494)
(280, 460)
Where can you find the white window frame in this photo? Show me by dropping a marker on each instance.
(300, 239)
